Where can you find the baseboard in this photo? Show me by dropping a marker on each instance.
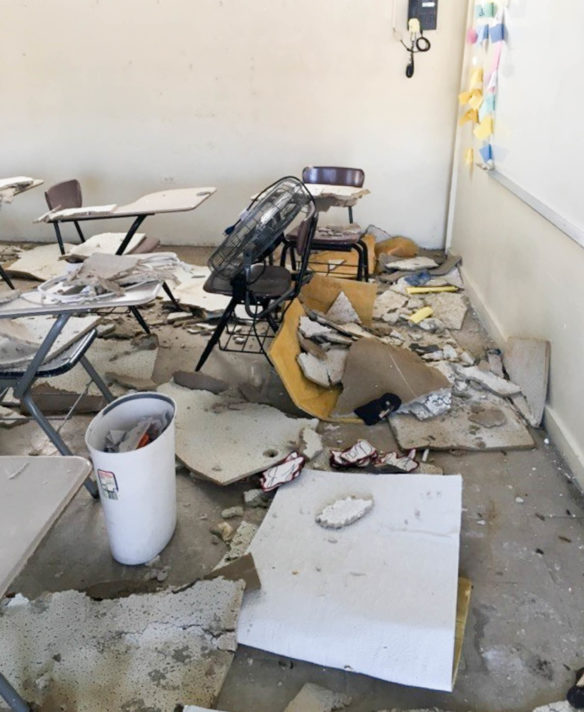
(559, 434)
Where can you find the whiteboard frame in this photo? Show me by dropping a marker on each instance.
(567, 227)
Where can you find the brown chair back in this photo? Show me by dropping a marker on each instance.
(64, 195)
(334, 175)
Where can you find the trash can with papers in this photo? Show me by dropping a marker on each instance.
(131, 442)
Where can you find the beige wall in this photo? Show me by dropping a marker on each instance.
(132, 96)
(526, 278)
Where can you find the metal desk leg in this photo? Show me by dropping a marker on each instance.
(130, 234)
(8, 693)
(59, 237)
(96, 378)
(5, 277)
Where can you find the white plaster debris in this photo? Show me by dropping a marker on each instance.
(343, 512)
(256, 497)
(310, 328)
(561, 706)
(387, 301)
(412, 264)
(232, 512)
(313, 698)
(342, 311)
(310, 444)
(324, 372)
(449, 307)
(226, 439)
(239, 543)
(436, 403)
(314, 369)
(488, 380)
(144, 651)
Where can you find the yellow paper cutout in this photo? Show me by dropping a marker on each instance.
(469, 156)
(476, 78)
(485, 128)
(470, 115)
(476, 99)
(464, 97)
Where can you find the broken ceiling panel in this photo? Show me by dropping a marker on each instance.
(226, 439)
(456, 431)
(148, 651)
(351, 598)
(41, 263)
(527, 362)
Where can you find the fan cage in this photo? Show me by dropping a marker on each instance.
(260, 226)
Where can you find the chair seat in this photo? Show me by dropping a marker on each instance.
(331, 238)
(268, 281)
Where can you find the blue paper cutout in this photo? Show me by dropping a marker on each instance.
(486, 153)
(483, 33)
(498, 32)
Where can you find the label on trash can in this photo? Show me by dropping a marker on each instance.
(109, 484)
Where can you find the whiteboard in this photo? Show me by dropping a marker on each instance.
(538, 145)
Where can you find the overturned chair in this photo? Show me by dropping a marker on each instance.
(242, 269)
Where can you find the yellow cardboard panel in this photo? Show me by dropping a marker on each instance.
(321, 292)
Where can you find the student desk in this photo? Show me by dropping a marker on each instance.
(10, 188)
(26, 518)
(21, 378)
(177, 200)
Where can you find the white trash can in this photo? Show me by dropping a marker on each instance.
(137, 488)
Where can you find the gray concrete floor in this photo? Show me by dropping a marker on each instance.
(525, 630)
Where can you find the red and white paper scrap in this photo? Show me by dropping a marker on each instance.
(285, 471)
(362, 454)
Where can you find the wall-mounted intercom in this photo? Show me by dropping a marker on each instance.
(426, 11)
(422, 16)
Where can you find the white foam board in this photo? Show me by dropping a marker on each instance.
(377, 597)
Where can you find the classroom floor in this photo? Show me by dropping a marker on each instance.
(521, 546)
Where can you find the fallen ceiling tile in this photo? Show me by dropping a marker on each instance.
(313, 698)
(449, 308)
(342, 311)
(488, 380)
(17, 336)
(411, 264)
(107, 242)
(148, 651)
(190, 293)
(527, 362)
(318, 584)
(387, 301)
(41, 263)
(225, 439)
(455, 431)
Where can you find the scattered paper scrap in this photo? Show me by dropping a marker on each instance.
(285, 471)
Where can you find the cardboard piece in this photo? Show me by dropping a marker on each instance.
(374, 368)
(351, 599)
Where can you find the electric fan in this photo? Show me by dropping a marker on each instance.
(259, 227)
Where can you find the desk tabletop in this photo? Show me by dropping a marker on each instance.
(15, 185)
(177, 200)
(34, 491)
(30, 304)
(323, 190)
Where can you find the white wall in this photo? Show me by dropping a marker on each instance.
(132, 96)
(526, 279)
